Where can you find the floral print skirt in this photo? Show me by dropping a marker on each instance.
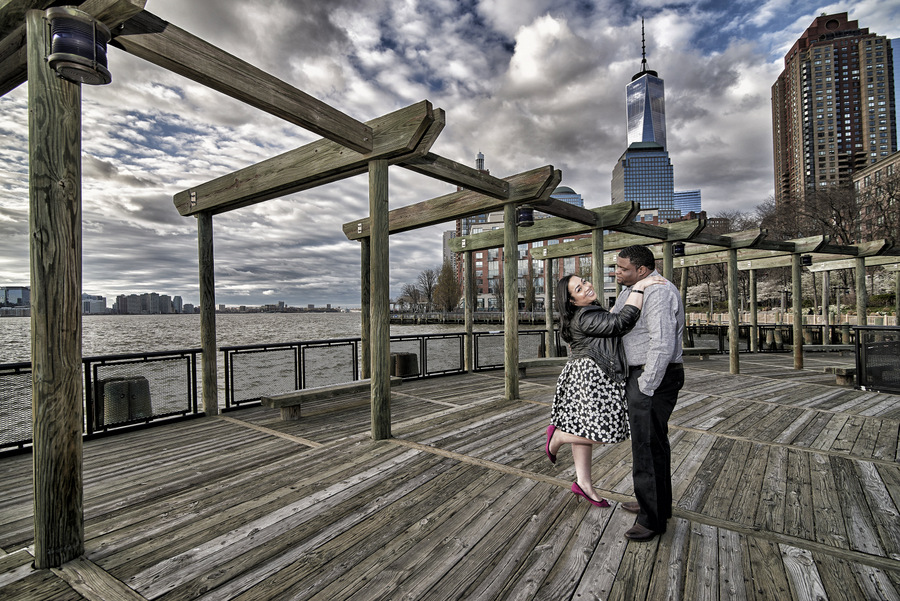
(589, 404)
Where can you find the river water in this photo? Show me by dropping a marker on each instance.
(119, 334)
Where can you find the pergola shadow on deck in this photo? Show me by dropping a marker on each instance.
(787, 487)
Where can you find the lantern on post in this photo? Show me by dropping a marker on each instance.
(78, 46)
(678, 249)
(524, 216)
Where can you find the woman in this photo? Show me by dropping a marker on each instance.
(589, 406)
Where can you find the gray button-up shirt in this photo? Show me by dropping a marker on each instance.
(655, 340)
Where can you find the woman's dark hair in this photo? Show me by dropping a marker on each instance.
(565, 307)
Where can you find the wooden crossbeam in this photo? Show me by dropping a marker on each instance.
(681, 230)
(458, 174)
(891, 263)
(547, 229)
(13, 59)
(161, 43)
(397, 136)
(524, 187)
(761, 250)
(826, 253)
(560, 208)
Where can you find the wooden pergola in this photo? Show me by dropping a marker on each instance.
(748, 250)
(348, 147)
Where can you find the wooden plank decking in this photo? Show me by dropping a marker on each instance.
(786, 487)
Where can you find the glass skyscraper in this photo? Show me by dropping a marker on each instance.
(644, 172)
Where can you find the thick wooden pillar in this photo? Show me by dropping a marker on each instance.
(549, 289)
(54, 190)
(597, 263)
(469, 295)
(686, 336)
(754, 314)
(511, 300)
(797, 308)
(734, 342)
(209, 375)
(380, 300)
(826, 304)
(365, 315)
(862, 295)
(668, 262)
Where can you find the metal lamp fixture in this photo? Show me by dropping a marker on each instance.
(524, 216)
(678, 249)
(78, 46)
(806, 260)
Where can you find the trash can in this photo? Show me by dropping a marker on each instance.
(122, 400)
(404, 365)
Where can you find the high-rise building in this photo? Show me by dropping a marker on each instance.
(687, 201)
(644, 172)
(832, 107)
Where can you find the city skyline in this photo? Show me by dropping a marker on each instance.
(526, 83)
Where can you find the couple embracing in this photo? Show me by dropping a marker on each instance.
(622, 378)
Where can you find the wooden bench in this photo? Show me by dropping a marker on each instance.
(698, 351)
(524, 364)
(843, 375)
(289, 402)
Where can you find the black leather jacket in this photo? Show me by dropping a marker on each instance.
(597, 334)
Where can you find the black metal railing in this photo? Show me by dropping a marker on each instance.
(878, 358)
(120, 392)
(254, 371)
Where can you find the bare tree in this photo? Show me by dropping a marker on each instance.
(447, 292)
(412, 295)
(427, 281)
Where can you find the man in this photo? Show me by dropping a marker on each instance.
(656, 374)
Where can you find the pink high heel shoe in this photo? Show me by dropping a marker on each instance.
(550, 430)
(578, 491)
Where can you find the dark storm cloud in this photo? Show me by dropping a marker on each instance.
(526, 82)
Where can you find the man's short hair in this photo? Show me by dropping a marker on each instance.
(639, 255)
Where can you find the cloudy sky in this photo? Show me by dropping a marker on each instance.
(526, 82)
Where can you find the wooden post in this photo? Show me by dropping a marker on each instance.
(797, 307)
(365, 315)
(597, 263)
(511, 300)
(826, 305)
(549, 289)
(379, 276)
(209, 377)
(754, 314)
(469, 295)
(686, 336)
(668, 261)
(54, 191)
(897, 296)
(733, 325)
(862, 300)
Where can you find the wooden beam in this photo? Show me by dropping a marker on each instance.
(758, 251)
(379, 299)
(209, 367)
(12, 13)
(397, 135)
(682, 230)
(827, 253)
(13, 70)
(458, 174)
(607, 217)
(888, 262)
(54, 215)
(511, 301)
(524, 187)
(161, 43)
(565, 210)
